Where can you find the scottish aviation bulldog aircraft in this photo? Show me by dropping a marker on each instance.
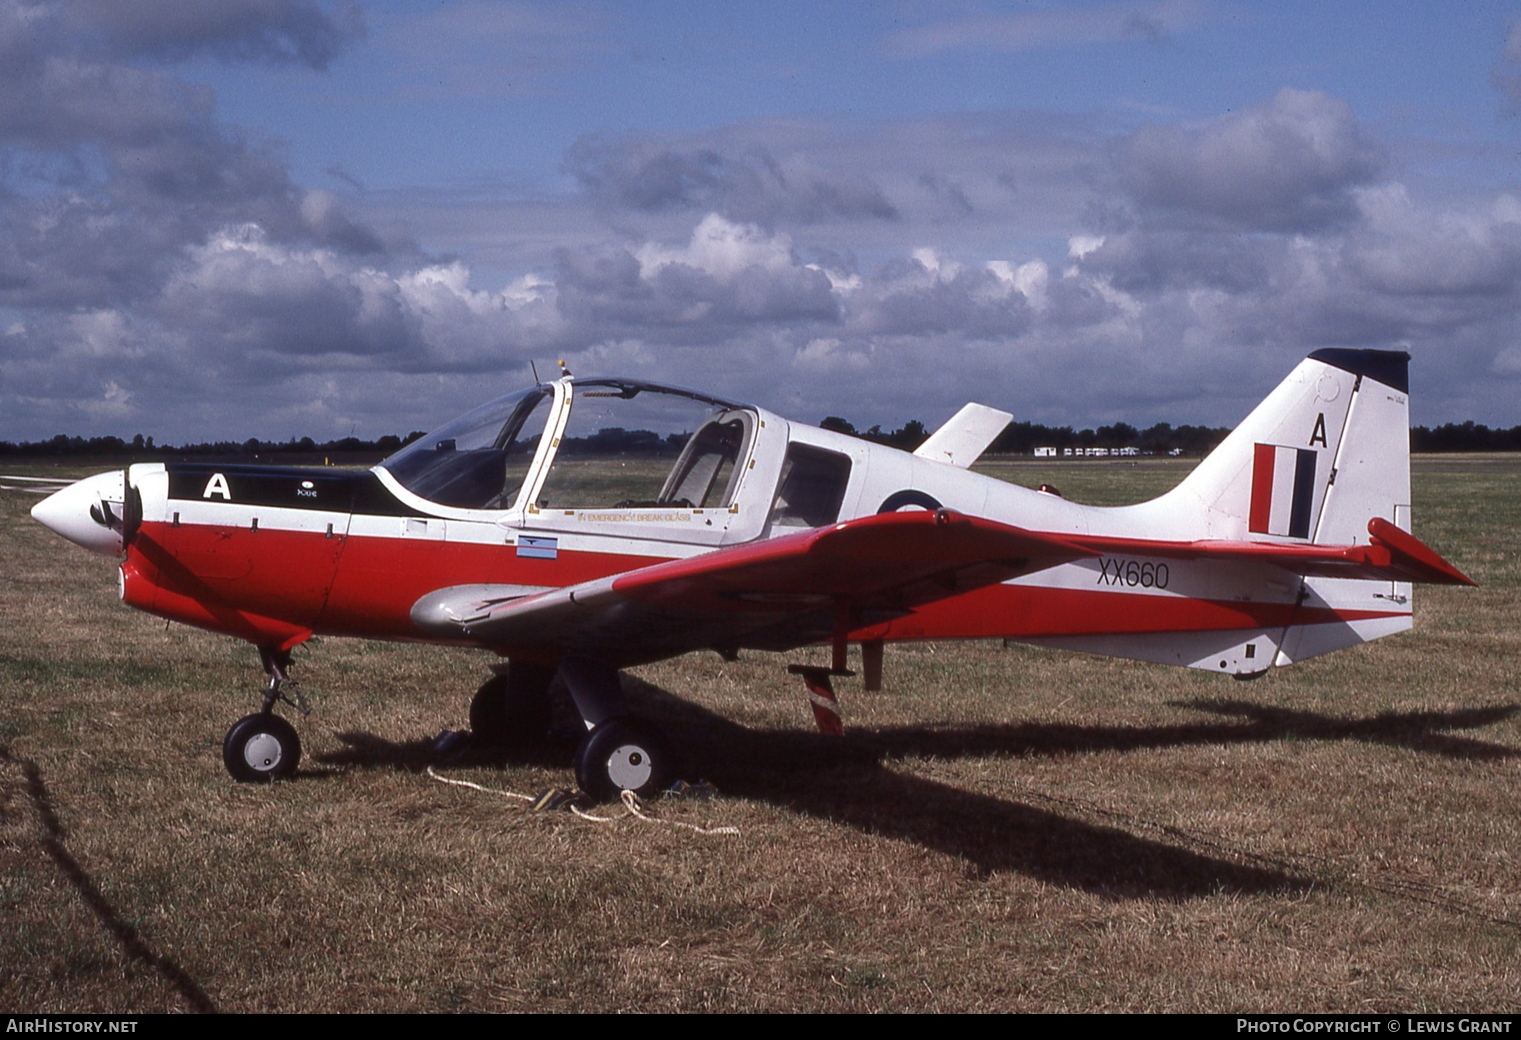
(587, 525)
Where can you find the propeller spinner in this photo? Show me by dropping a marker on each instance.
(100, 513)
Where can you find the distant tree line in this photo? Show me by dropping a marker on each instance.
(615, 440)
(1021, 438)
(63, 445)
(1468, 436)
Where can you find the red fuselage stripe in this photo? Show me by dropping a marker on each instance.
(1031, 611)
(271, 585)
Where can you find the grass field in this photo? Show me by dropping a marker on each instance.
(1005, 829)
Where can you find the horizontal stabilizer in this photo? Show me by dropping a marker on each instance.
(1392, 555)
(1413, 557)
(965, 436)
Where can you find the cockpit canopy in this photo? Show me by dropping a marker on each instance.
(611, 444)
(479, 460)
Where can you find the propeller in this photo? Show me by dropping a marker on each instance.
(131, 510)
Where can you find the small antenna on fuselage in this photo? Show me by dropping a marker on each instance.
(534, 369)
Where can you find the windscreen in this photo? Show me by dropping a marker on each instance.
(479, 460)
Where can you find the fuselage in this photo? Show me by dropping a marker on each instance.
(579, 480)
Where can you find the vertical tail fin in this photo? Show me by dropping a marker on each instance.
(1327, 451)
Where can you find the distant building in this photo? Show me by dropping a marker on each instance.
(1086, 453)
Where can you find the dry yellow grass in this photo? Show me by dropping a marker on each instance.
(1002, 828)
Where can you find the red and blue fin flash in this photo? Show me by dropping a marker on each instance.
(1283, 490)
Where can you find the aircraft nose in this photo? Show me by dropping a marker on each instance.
(88, 512)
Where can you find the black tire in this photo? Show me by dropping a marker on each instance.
(260, 748)
(900, 500)
(620, 755)
(513, 709)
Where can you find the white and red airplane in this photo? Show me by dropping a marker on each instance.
(587, 525)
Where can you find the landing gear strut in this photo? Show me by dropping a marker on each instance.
(262, 747)
(619, 752)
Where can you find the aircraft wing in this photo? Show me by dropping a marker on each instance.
(1391, 555)
(793, 591)
(776, 594)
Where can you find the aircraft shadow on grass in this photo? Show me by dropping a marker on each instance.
(848, 780)
(52, 840)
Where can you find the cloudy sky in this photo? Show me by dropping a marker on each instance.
(280, 218)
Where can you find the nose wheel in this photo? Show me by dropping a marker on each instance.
(263, 747)
(260, 748)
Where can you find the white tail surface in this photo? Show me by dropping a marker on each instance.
(1323, 454)
(1328, 450)
(965, 436)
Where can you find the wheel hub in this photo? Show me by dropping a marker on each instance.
(262, 752)
(629, 768)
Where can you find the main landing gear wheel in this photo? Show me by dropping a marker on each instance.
(619, 756)
(512, 708)
(261, 747)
